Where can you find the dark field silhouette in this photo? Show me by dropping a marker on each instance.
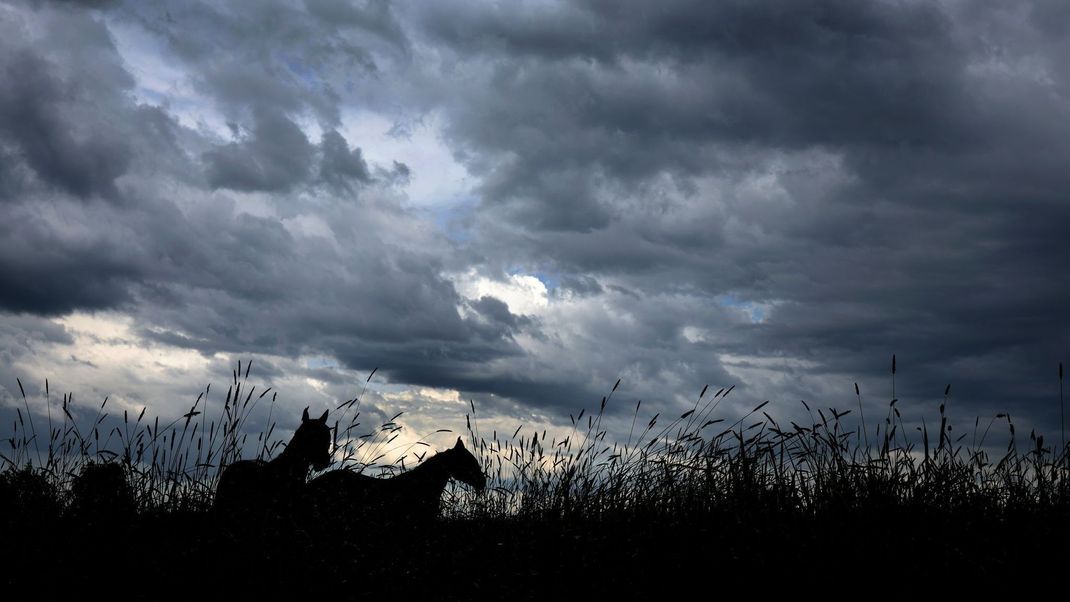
(694, 499)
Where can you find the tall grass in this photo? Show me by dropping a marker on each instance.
(675, 468)
(695, 464)
(171, 466)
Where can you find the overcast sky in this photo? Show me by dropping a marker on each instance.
(519, 203)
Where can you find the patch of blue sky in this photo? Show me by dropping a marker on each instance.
(316, 363)
(301, 70)
(551, 280)
(453, 217)
(755, 312)
(386, 388)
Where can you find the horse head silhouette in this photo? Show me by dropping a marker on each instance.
(412, 496)
(460, 464)
(249, 485)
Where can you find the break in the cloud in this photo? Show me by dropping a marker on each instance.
(520, 204)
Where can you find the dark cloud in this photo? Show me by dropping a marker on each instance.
(88, 3)
(674, 89)
(198, 272)
(375, 17)
(341, 166)
(32, 328)
(782, 194)
(275, 156)
(497, 311)
(580, 285)
(288, 57)
(69, 131)
(83, 166)
(878, 174)
(44, 121)
(398, 174)
(43, 279)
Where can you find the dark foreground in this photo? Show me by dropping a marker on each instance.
(175, 555)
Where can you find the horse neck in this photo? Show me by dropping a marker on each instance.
(290, 464)
(434, 472)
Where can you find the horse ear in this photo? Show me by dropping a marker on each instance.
(304, 415)
(324, 417)
(460, 444)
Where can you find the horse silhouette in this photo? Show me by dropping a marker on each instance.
(258, 486)
(411, 496)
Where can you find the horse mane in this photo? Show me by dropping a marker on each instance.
(248, 485)
(410, 497)
(456, 462)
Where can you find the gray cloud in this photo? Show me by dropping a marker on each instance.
(910, 173)
(341, 166)
(277, 55)
(201, 273)
(275, 156)
(44, 121)
(629, 98)
(778, 193)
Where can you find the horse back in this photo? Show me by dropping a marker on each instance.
(342, 482)
(243, 484)
(342, 491)
(347, 497)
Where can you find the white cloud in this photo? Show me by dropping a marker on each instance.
(524, 294)
(437, 179)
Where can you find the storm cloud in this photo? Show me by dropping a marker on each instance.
(522, 204)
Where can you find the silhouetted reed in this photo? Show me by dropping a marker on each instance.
(695, 464)
(690, 464)
(698, 470)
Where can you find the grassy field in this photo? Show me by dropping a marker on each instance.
(124, 503)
